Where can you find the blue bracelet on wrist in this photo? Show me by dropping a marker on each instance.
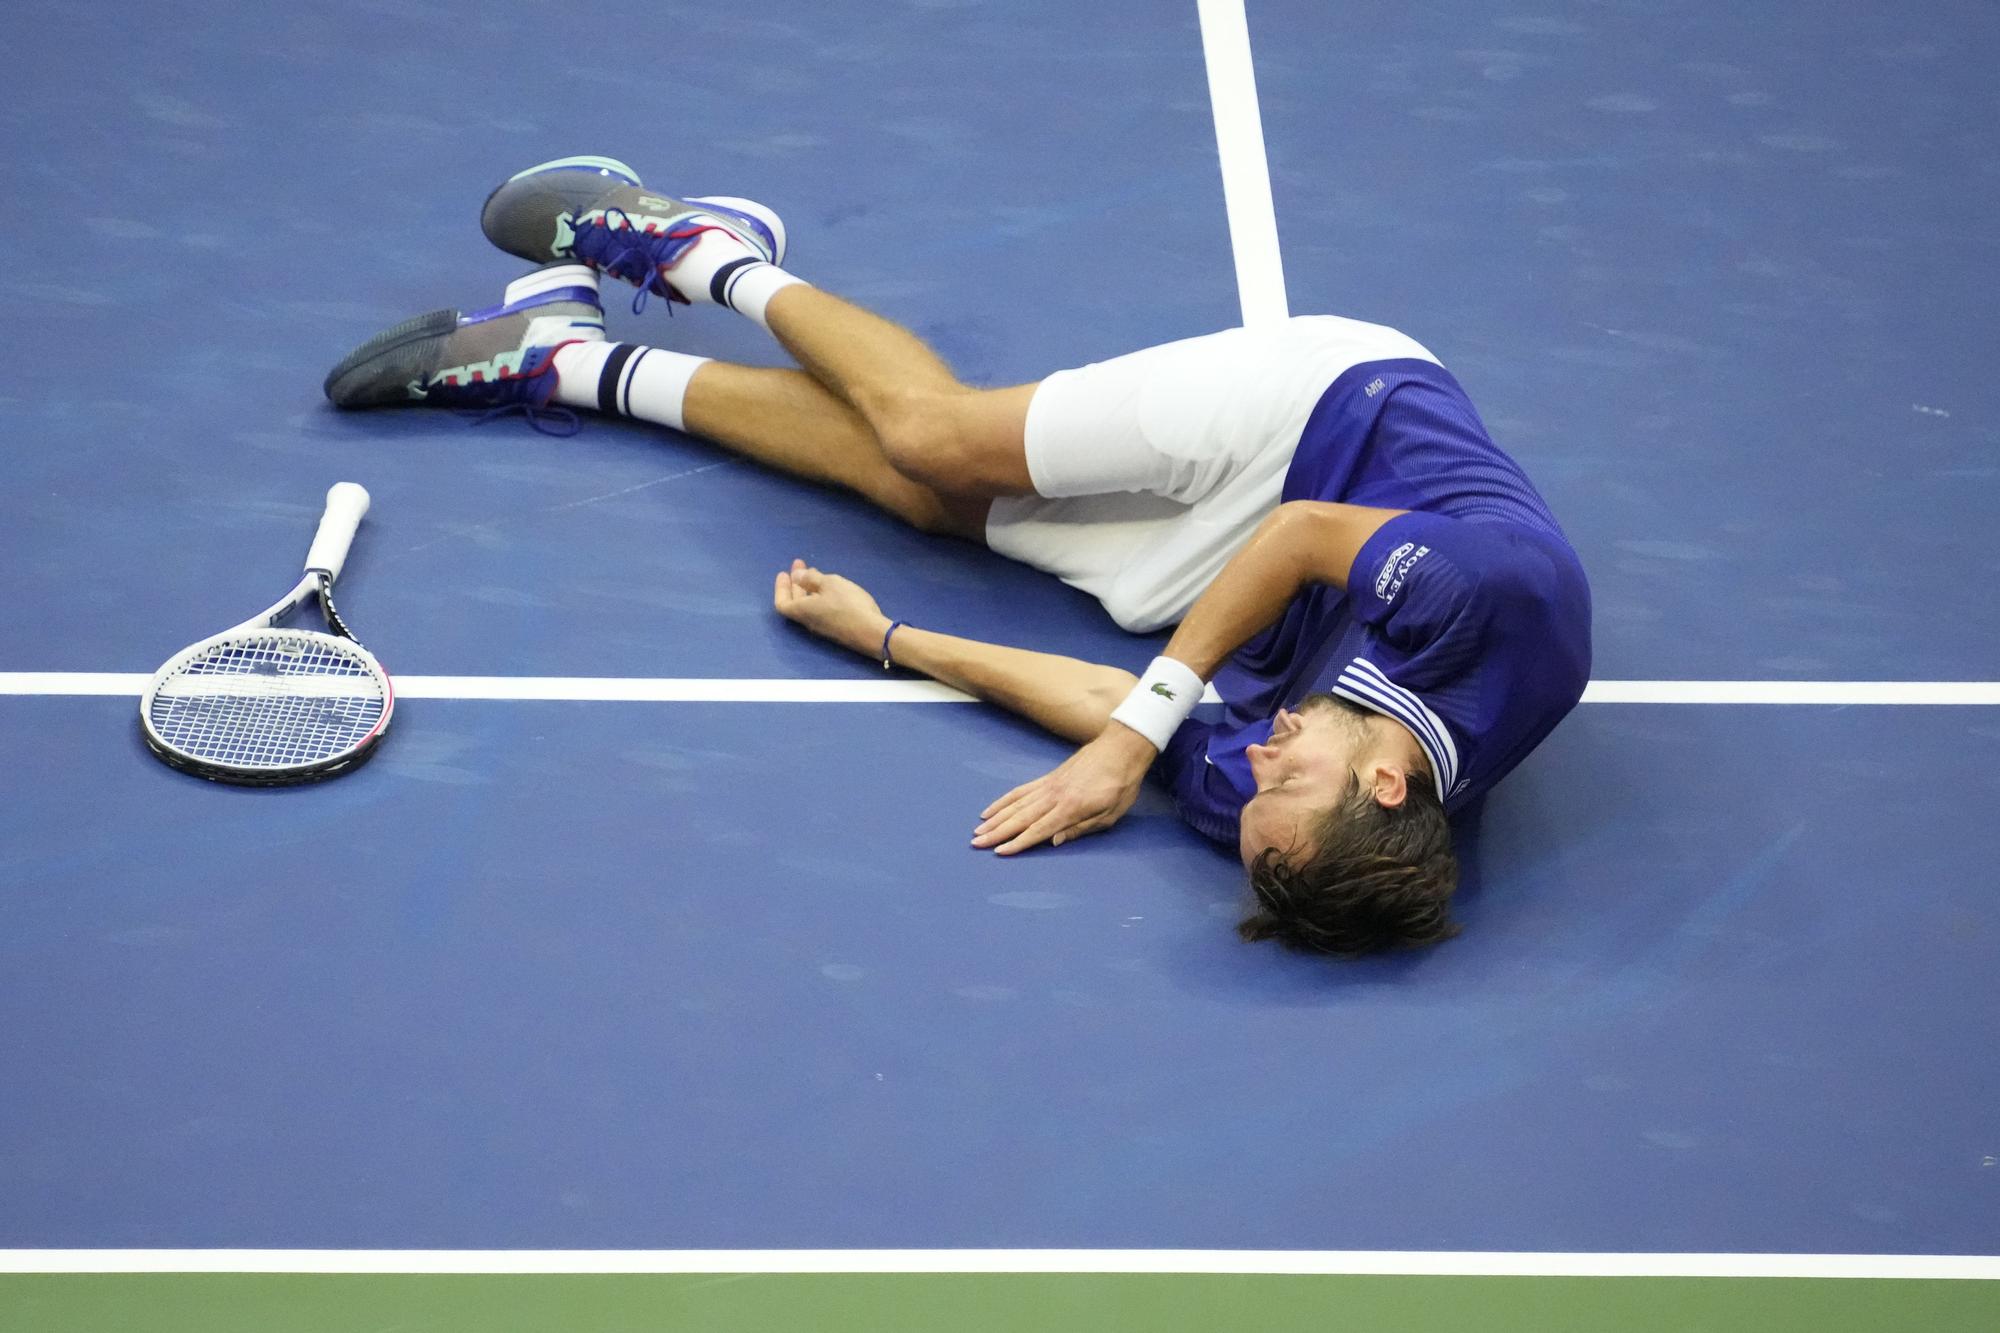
(888, 661)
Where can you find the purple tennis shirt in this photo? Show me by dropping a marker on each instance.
(1466, 619)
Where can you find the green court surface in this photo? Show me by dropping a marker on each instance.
(976, 1303)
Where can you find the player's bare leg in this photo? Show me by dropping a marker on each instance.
(543, 348)
(786, 419)
(728, 251)
(932, 428)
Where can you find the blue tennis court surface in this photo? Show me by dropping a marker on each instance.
(665, 986)
(586, 975)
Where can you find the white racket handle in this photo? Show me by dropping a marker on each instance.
(346, 502)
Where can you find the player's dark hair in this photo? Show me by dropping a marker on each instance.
(1380, 877)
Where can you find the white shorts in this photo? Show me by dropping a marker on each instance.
(1151, 470)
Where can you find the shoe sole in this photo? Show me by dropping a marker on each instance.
(549, 278)
(774, 226)
(437, 325)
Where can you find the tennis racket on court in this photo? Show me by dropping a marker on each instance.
(264, 706)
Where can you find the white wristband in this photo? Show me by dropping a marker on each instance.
(1161, 701)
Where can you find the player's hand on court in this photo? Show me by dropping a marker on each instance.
(830, 606)
(1088, 792)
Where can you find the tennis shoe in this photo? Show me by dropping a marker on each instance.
(499, 359)
(595, 210)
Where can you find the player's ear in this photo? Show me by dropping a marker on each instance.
(1389, 784)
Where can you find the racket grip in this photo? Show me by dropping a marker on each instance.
(346, 502)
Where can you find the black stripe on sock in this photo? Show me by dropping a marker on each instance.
(607, 379)
(644, 352)
(718, 286)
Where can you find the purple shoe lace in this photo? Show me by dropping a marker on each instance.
(636, 255)
(558, 421)
(527, 393)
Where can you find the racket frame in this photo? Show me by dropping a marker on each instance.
(346, 503)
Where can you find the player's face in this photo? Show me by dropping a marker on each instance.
(1305, 769)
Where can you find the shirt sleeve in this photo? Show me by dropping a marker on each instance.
(1428, 584)
(1202, 794)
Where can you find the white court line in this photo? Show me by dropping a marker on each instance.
(759, 690)
(575, 689)
(1438, 1263)
(1843, 693)
(1246, 173)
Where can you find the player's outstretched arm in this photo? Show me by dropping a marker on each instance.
(1069, 697)
(1302, 542)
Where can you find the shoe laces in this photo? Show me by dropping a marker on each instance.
(527, 393)
(558, 421)
(637, 255)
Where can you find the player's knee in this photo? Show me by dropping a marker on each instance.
(919, 436)
(938, 440)
(920, 506)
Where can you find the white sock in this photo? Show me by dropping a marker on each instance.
(626, 380)
(720, 269)
(748, 290)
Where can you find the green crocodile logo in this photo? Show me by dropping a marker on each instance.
(1162, 690)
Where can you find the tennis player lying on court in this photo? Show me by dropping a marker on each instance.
(1385, 605)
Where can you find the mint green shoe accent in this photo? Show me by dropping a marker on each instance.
(610, 166)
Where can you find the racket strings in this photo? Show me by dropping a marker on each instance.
(269, 701)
